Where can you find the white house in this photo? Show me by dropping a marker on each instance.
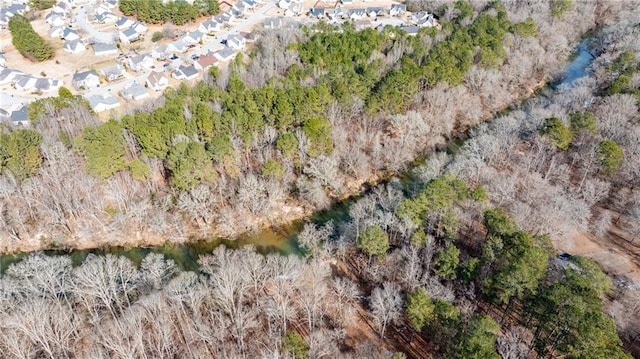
(374, 12)
(74, 46)
(70, 34)
(157, 81)
(56, 32)
(113, 72)
(124, 23)
(24, 82)
(106, 18)
(180, 45)
(185, 73)
(356, 14)
(193, 37)
(397, 9)
(424, 19)
(209, 26)
(100, 49)
(317, 12)
(3, 60)
(135, 92)
(284, 4)
(111, 3)
(54, 19)
(272, 23)
(86, 79)
(236, 42)
(100, 103)
(294, 10)
(139, 27)
(62, 8)
(129, 35)
(7, 75)
(141, 62)
(161, 51)
(225, 54)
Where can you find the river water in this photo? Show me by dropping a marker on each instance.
(268, 240)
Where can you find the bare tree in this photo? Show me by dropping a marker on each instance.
(386, 306)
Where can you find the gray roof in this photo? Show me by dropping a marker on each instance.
(225, 52)
(179, 44)
(95, 100)
(4, 73)
(197, 34)
(116, 70)
(130, 32)
(188, 70)
(122, 21)
(377, 10)
(80, 76)
(20, 115)
(72, 44)
(399, 7)
(135, 90)
(100, 47)
(16, 8)
(43, 84)
(411, 29)
(68, 31)
(273, 22)
(317, 12)
(22, 80)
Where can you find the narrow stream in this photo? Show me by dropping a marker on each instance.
(267, 240)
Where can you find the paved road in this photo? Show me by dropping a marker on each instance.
(83, 23)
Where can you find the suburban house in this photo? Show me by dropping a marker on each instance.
(424, 19)
(7, 75)
(62, 8)
(106, 18)
(222, 19)
(185, 73)
(48, 85)
(209, 26)
(86, 79)
(374, 12)
(410, 29)
(249, 4)
(284, 4)
(294, 10)
(129, 35)
(346, 2)
(54, 19)
(356, 14)
(161, 51)
(193, 37)
(317, 12)
(70, 34)
(111, 3)
(100, 103)
(236, 42)
(74, 46)
(362, 24)
(139, 27)
(113, 72)
(204, 62)
(100, 49)
(24, 82)
(3, 60)
(157, 81)
(141, 62)
(135, 92)
(397, 9)
(19, 116)
(272, 23)
(16, 9)
(56, 31)
(4, 19)
(238, 9)
(124, 23)
(180, 45)
(225, 54)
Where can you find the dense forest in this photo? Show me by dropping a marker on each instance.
(27, 41)
(458, 258)
(176, 12)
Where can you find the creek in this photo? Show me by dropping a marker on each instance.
(280, 240)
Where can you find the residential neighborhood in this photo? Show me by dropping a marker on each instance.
(110, 59)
